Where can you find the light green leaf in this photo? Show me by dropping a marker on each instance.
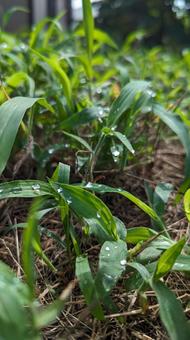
(53, 62)
(187, 204)
(168, 258)
(138, 234)
(18, 78)
(88, 25)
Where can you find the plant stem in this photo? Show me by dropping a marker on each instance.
(94, 157)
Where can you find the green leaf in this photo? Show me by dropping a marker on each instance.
(143, 206)
(26, 188)
(112, 263)
(80, 118)
(104, 38)
(123, 139)
(11, 115)
(54, 64)
(128, 97)
(187, 204)
(61, 173)
(182, 264)
(27, 254)
(175, 123)
(13, 9)
(18, 78)
(168, 258)
(79, 140)
(87, 206)
(36, 31)
(144, 273)
(14, 295)
(171, 312)
(138, 234)
(88, 25)
(88, 287)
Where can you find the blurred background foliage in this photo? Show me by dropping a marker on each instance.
(165, 22)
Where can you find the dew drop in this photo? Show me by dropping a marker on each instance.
(108, 255)
(69, 200)
(116, 153)
(50, 151)
(59, 190)
(115, 247)
(101, 112)
(98, 215)
(36, 186)
(89, 185)
(123, 262)
(107, 248)
(99, 91)
(1, 190)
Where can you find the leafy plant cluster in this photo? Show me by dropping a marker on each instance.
(81, 90)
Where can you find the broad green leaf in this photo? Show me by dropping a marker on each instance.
(182, 263)
(11, 115)
(87, 206)
(121, 228)
(15, 320)
(143, 206)
(79, 140)
(88, 26)
(149, 254)
(138, 234)
(168, 258)
(80, 118)
(26, 188)
(126, 98)
(123, 139)
(112, 263)
(187, 204)
(61, 173)
(171, 312)
(142, 270)
(159, 197)
(88, 286)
